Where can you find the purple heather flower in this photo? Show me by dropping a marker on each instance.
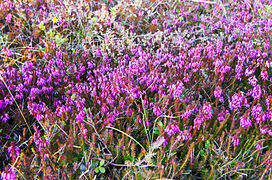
(165, 141)
(27, 67)
(245, 120)
(259, 146)
(80, 116)
(238, 100)
(253, 81)
(198, 121)
(105, 108)
(45, 156)
(98, 53)
(250, 72)
(269, 164)
(115, 112)
(156, 110)
(122, 103)
(6, 4)
(185, 135)
(83, 130)
(235, 141)
(39, 116)
(8, 175)
(13, 151)
(257, 92)
(154, 22)
(269, 114)
(39, 141)
(172, 129)
(264, 75)
(176, 90)
(110, 120)
(268, 64)
(206, 111)
(222, 115)
(19, 88)
(5, 117)
(264, 130)
(34, 92)
(8, 18)
(268, 102)
(2, 104)
(270, 132)
(7, 52)
(186, 78)
(257, 113)
(19, 96)
(8, 100)
(138, 119)
(60, 110)
(90, 65)
(176, 21)
(217, 92)
(41, 82)
(187, 113)
(110, 100)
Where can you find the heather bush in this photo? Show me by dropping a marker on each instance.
(135, 89)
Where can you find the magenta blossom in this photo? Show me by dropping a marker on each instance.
(156, 110)
(8, 18)
(8, 175)
(172, 129)
(155, 22)
(257, 92)
(235, 141)
(245, 120)
(206, 111)
(218, 92)
(259, 146)
(238, 100)
(13, 151)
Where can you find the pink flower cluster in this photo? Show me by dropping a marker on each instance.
(8, 175)
(171, 130)
(218, 92)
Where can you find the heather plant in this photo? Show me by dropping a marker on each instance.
(135, 89)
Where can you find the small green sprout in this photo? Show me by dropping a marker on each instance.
(100, 168)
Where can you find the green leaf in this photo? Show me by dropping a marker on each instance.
(202, 152)
(102, 169)
(156, 131)
(160, 124)
(97, 170)
(207, 144)
(102, 162)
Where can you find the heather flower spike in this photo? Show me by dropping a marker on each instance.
(89, 88)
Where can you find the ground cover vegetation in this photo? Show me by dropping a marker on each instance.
(135, 89)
